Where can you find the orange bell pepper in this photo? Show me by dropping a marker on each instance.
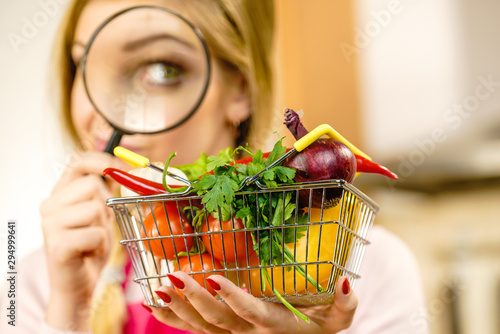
(291, 282)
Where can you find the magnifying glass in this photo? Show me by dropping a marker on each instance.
(146, 70)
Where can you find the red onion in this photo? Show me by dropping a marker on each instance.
(325, 159)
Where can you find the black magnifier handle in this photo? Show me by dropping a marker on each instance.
(113, 142)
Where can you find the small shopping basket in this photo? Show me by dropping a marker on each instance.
(315, 240)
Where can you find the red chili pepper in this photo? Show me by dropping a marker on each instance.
(139, 185)
(145, 187)
(366, 166)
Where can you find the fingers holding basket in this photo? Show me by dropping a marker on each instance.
(253, 311)
(199, 311)
(262, 316)
(345, 304)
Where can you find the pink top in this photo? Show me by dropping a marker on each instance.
(140, 320)
(389, 292)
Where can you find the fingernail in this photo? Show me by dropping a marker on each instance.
(213, 284)
(163, 296)
(147, 308)
(244, 289)
(175, 281)
(346, 287)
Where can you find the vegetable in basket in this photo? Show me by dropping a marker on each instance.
(281, 236)
(325, 159)
(367, 166)
(321, 243)
(204, 164)
(223, 245)
(139, 185)
(157, 224)
(261, 209)
(363, 165)
(199, 262)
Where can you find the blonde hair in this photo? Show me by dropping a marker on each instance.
(239, 34)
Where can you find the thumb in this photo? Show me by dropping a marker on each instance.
(345, 302)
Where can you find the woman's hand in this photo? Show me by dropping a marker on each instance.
(242, 313)
(78, 234)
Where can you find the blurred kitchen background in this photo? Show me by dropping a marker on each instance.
(416, 83)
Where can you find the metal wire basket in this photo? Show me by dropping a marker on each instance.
(332, 245)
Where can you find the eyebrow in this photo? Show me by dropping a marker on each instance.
(131, 46)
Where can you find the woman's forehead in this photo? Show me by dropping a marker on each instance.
(96, 12)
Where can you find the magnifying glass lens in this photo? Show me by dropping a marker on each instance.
(146, 70)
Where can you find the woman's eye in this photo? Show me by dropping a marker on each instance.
(161, 74)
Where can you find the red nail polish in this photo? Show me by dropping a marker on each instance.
(147, 308)
(176, 282)
(346, 287)
(213, 284)
(163, 296)
(245, 289)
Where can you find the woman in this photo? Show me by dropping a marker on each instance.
(83, 263)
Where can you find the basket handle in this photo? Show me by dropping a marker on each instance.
(132, 158)
(325, 129)
(137, 160)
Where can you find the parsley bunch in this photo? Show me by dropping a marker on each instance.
(218, 188)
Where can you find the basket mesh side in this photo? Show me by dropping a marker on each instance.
(344, 234)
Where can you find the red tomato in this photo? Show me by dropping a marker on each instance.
(178, 225)
(224, 243)
(196, 265)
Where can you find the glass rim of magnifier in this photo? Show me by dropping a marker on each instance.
(103, 25)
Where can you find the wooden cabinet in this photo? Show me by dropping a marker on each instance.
(312, 72)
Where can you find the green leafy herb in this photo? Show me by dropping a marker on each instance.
(221, 178)
(276, 153)
(200, 166)
(222, 193)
